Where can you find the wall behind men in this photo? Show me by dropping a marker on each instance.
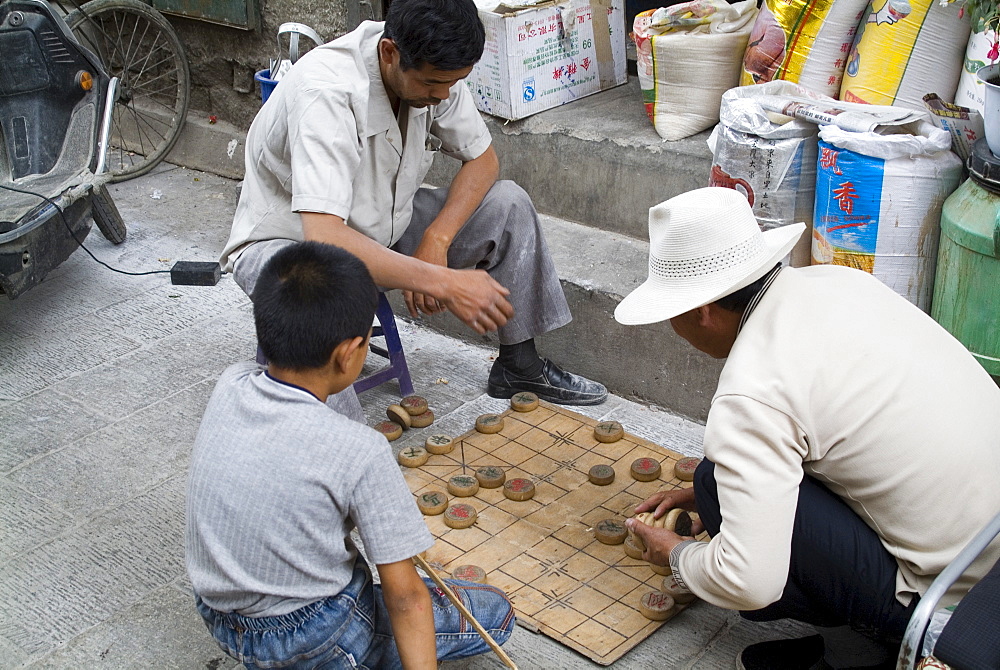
(223, 60)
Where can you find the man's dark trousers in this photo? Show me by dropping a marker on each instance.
(840, 573)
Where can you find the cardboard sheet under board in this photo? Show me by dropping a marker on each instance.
(542, 552)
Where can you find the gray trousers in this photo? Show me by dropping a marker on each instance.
(503, 236)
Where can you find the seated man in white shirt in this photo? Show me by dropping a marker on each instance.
(338, 155)
(851, 451)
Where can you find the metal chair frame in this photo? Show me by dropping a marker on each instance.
(913, 638)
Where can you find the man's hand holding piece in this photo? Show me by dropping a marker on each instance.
(660, 541)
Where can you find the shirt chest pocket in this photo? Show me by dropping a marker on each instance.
(432, 147)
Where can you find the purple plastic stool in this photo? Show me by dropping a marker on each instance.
(393, 351)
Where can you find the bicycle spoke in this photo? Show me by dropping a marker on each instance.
(139, 47)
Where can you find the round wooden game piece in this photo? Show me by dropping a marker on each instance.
(414, 405)
(399, 415)
(422, 420)
(608, 431)
(602, 475)
(469, 573)
(644, 518)
(460, 516)
(463, 486)
(632, 550)
(489, 424)
(678, 521)
(610, 531)
(674, 590)
(432, 503)
(413, 457)
(645, 469)
(439, 444)
(525, 401)
(656, 605)
(685, 467)
(661, 569)
(391, 430)
(491, 477)
(519, 489)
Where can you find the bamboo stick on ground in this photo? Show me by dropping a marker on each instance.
(465, 612)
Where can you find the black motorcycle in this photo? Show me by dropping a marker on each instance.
(56, 101)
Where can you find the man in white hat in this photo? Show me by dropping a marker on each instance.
(851, 451)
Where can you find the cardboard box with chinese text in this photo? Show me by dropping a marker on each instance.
(547, 55)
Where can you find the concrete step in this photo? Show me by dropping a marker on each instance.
(596, 161)
(646, 363)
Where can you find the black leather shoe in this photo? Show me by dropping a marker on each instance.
(804, 653)
(554, 385)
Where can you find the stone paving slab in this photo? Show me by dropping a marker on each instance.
(103, 379)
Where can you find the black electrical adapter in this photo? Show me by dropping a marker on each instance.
(195, 273)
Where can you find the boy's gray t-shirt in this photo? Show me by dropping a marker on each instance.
(277, 482)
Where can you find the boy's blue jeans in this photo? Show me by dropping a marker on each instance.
(352, 630)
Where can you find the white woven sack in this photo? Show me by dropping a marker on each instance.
(683, 71)
(913, 173)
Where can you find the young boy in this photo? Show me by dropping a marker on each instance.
(278, 480)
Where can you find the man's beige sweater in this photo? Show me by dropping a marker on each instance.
(837, 377)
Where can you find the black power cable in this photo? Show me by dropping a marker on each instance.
(78, 240)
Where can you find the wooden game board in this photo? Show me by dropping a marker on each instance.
(542, 552)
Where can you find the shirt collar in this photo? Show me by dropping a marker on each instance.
(289, 385)
(768, 280)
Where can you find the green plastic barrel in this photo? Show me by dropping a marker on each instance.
(967, 282)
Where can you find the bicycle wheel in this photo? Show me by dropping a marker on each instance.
(137, 45)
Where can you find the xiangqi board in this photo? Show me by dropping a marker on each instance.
(543, 551)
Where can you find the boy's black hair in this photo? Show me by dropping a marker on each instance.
(445, 34)
(309, 298)
(738, 301)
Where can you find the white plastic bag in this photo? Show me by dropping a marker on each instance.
(688, 55)
(768, 157)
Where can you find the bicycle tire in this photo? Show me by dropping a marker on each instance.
(137, 44)
(106, 215)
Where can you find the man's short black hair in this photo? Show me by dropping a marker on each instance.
(445, 34)
(738, 301)
(309, 298)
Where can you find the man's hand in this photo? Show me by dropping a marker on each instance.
(658, 541)
(477, 300)
(664, 501)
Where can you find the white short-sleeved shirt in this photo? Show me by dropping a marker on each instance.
(327, 141)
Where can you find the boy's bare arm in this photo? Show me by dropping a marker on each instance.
(409, 605)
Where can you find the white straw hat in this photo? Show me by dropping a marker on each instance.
(703, 245)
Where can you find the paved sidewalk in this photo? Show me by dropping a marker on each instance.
(103, 379)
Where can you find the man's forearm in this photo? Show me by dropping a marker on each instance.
(388, 268)
(471, 184)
